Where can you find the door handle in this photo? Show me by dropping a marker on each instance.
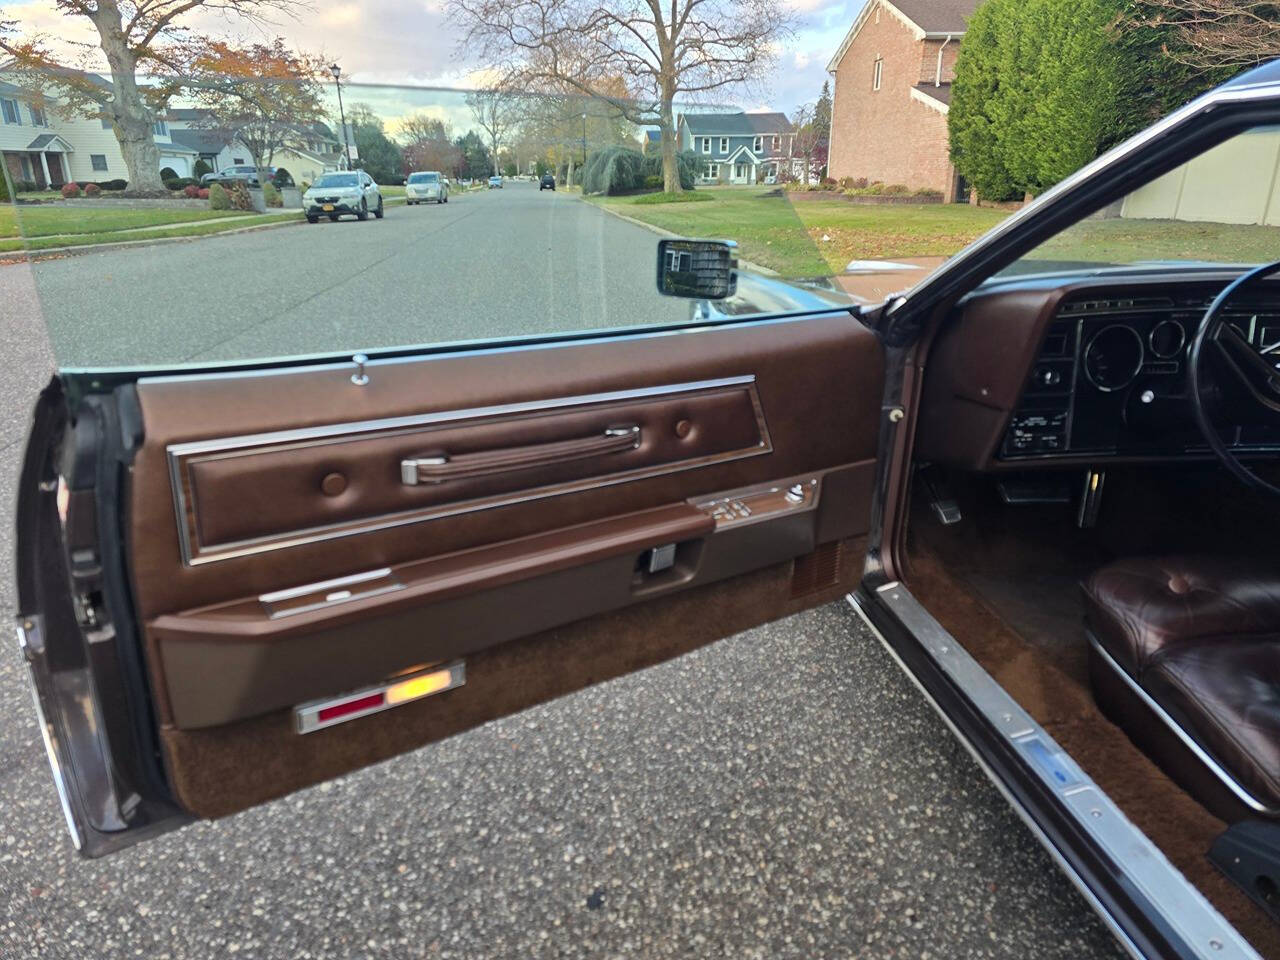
(440, 467)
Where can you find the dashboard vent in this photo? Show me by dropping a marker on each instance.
(1117, 304)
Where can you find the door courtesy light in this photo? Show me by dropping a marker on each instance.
(318, 714)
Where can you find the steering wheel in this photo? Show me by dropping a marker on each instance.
(1256, 370)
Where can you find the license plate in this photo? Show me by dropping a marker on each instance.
(327, 207)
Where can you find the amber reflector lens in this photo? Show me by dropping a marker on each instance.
(421, 686)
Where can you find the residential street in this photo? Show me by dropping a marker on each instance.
(489, 263)
(682, 811)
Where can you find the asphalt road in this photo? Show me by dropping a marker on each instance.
(685, 811)
(515, 261)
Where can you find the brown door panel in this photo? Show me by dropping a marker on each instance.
(263, 582)
(275, 490)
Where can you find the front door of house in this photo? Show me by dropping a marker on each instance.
(740, 171)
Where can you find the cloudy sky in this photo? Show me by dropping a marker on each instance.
(400, 43)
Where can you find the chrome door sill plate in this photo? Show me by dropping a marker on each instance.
(1179, 903)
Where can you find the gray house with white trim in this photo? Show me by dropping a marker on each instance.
(738, 147)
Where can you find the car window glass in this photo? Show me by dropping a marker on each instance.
(268, 258)
(1219, 207)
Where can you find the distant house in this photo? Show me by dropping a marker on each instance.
(311, 151)
(652, 142)
(738, 147)
(893, 76)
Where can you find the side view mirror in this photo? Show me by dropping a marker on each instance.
(698, 269)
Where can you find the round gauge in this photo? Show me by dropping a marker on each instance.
(1113, 357)
(1167, 338)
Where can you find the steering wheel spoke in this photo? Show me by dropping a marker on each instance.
(1257, 373)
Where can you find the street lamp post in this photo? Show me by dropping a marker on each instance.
(584, 141)
(346, 148)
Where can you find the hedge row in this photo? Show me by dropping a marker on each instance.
(616, 170)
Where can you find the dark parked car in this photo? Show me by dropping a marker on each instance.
(548, 182)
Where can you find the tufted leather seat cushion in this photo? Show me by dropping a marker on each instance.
(1201, 637)
(1142, 608)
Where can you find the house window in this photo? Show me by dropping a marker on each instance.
(27, 172)
(706, 144)
(877, 13)
(876, 74)
(98, 161)
(774, 145)
(10, 109)
(713, 171)
(106, 123)
(758, 143)
(161, 128)
(724, 144)
(37, 116)
(238, 160)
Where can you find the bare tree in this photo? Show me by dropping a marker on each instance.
(810, 137)
(496, 111)
(685, 49)
(132, 35)
(1209, 35)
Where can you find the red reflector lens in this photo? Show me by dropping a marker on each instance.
(351, 706)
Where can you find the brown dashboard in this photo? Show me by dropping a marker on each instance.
(1049, 373)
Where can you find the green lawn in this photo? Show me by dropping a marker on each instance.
(111, 226)
(1128, 241)
(48, 219)
(785, 235)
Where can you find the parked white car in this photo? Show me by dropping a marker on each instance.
(349, 191)
(426, 185)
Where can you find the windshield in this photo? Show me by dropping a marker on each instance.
(424, 178)
(337, 180)
(1220, 207)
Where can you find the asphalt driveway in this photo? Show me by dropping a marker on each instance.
(681, 811)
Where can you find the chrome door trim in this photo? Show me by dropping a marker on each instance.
(178, 454)
(1169, 893)
(1201, 754)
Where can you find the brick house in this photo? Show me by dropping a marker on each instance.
(892, 91)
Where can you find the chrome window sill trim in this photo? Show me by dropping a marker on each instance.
(1179, 903)
(1228, 781)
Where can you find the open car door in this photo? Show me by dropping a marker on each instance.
(236, 582)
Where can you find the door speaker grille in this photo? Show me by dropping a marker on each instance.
(817, 571)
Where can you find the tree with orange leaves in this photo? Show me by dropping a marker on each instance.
(134, 37)
(264, 95)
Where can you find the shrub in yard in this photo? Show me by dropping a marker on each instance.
(181, 183)
(928, 193)
(168, 173)
(218, 197)
(26, 186)
(70, 190)
(271, 195)
(92, 190)
(201, 168)
(202, 193)
(283, 178)
(653, 183)
(113, 184)
(4, 187)
(191, 191)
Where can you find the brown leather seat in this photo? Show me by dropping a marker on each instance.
(1185, 656)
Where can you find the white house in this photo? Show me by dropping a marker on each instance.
(42, 147)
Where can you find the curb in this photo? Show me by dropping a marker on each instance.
(49, 253)
(746, 264)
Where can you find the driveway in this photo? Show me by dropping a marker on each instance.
(681, 811)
